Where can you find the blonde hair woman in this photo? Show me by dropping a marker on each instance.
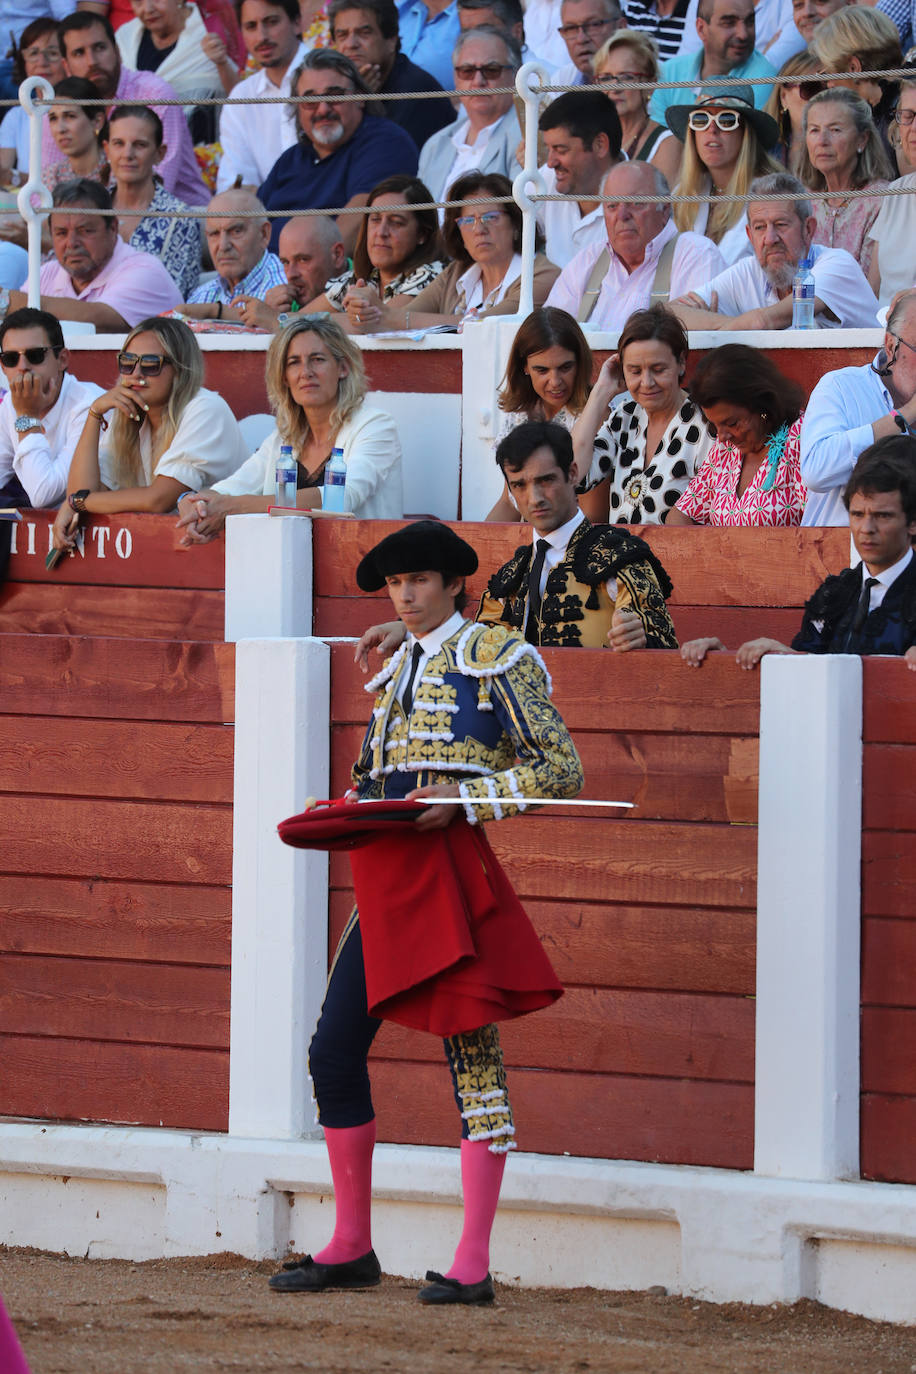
(843, 152)
(726, 142)
(860, 39)
(167, 435)
(316, 386)
(786, 105)
(632, 56)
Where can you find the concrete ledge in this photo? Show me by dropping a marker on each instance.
(563, 1222)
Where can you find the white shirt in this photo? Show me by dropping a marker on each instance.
(42, 461)
(836, 428)
(542, 19)
(893, 231)
(696, 260)
(565, 228)
(468, 156)
(838, 281)
(734, 243)
(430, 643)
(886, 579)
(471, 284)
(558, 541)
(206, 446)
(254, 136)
(14, 133)
(372, 453)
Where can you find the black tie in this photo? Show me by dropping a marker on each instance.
(534, 592)
(407, 699)
(862, 609)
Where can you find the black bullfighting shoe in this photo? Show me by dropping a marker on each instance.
(311, 1276)
(442, 1291)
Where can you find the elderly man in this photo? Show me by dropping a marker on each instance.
(500, 14)
(756, 292)
(366, 31)
(487, 139)
(581, 132)
(727, 30)
(312, 254)
(643, 259)
(584, 26)
(237, 233)
(95, 275)
(44, 413)
(254, 136)
(854, 406)
(89, 50)
(341, 152)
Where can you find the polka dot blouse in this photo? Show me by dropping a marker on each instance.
(642, 488)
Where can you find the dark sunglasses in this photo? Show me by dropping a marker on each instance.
(33, 356)
(151, 364)
(807, 89)
(490, 71)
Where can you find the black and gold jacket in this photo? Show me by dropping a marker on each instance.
(576, 609)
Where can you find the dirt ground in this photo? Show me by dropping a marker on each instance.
(77, 1316)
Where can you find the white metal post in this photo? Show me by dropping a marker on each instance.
(528, 82)
(32, 89)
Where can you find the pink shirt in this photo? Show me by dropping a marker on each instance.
(178, 169)
(712, 496)
(133, 283)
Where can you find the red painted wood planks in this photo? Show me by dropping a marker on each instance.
(97, 1080)
(117, 679)
(888, 1127)
(889, 787)
(888, 1065)
(124, 612)
(130, 550)
(107, 919)
(888, 873)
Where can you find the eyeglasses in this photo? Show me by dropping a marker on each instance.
(33, 356)
(590, 26)
(151, 364)
(490, 71)
(808, 89)
(904, 118)
(49, 54)
(488, 218)
(329, 96)
(726, 120)
(911, 347)
(611, 78)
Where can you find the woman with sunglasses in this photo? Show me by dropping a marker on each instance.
(38, 54)
(786, 105)
(316, 385)
(894, 231)
(726, 141)
(153, 436)
(751, 475)
(632, 56)
(397, 253)
(77, 130)
(843, 152)
(483, 236)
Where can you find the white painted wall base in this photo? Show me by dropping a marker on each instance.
(707, 1233)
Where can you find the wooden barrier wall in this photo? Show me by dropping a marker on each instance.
(116, 813)
(888, 1119)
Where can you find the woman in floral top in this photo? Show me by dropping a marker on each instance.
(150, 218)
(751, 474)
(638, 459)
(397, 253)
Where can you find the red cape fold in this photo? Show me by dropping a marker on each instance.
(447, 945)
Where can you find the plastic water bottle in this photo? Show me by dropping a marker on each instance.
(335, 483)
(803, 296)
(286, 476)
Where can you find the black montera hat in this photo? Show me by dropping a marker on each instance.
(425, 546)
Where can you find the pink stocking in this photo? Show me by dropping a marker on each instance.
(350, 1151)
(481, 1179)
(12, 1360)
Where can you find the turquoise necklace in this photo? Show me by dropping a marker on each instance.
(776, 447)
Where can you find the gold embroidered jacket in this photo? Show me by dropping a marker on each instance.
(576, 609)
(481, 715)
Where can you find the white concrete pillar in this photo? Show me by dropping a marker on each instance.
(268, 576)
(808, 917)
(279, 894)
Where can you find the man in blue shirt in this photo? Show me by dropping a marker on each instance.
(429, 29)
(727, 31)
(341, 153)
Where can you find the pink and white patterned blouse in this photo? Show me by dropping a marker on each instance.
(712, 496)
(847, 226)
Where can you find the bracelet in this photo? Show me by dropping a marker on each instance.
(219, 310)
(406, 319)
(101, 418)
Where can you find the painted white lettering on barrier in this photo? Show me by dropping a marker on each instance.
(96, 539)
(100, 533)
(31, 529)
(123, 543)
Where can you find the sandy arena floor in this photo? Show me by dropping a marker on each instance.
(78, 1316)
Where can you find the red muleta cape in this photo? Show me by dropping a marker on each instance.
(447, 945)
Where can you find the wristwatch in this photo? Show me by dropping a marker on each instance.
(77, 500)
(24, 423)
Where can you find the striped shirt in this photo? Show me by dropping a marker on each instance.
(666, 29)
(266, 273)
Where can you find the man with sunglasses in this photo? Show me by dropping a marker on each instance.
(43, 414)
(727, 31)
(340, 153)
(853, 407)
(485, 141)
